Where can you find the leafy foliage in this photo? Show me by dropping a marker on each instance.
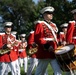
(23, 13)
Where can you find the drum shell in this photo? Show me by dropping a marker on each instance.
(67, 60)
(66, 64)
(71, 54)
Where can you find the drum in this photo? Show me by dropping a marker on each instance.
(66, 57)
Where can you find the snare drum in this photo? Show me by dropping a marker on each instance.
(66, 57)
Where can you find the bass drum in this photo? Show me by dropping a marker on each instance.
(66, 57)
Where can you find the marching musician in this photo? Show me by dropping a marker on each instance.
(10, 58)
(71, 30)
(22, 52)
(45, 37)
(33, 59)
(8, 70)
(62, 34)
(62, 39)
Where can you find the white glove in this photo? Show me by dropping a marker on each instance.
(64, 43)
(9, 46)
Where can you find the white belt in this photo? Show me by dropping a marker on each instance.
(21, 50)
(49, 39)
(74, 37)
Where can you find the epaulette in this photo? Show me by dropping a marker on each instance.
(2, 33)
(71, 21)
(53, 23)
(38, 22)
(31, 32)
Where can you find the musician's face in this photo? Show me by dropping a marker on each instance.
(23, 38)
(64, 30)
(48, 16)
(8, 29)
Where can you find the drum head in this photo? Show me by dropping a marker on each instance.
(65, 49)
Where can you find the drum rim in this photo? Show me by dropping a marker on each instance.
(56, 53)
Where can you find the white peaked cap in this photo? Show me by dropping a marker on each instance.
(8, 24)
(73, 11)
(47, 9)
(14, 32)
(64, 25)
(23, 35)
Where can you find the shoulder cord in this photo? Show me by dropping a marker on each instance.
(51, 31)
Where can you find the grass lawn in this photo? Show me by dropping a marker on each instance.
(50, 71)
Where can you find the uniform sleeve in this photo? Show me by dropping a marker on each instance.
(30, 39)
(69, 33)
(39, 37)
(1, 44)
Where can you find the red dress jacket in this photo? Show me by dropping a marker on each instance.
(22, 49)
(13, 55)
(30, 42)
(41, 32)
(62, 37)
(71, 33)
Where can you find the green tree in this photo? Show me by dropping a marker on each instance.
(22, 9)
(25, 12)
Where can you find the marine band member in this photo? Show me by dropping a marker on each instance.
(10, 58)
(45, 37)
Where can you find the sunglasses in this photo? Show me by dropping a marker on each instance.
(49, 12)
(22, 37)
